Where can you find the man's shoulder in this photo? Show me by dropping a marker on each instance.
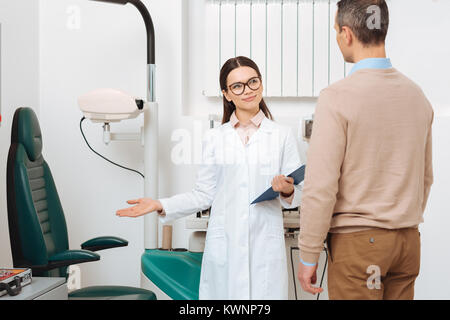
(363, 80)
(343, 84)
(338, 88)
(346, 84)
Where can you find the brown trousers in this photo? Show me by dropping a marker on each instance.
(376, 264)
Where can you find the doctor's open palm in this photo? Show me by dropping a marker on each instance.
(142, 207)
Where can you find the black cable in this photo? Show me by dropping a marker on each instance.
(82, 133)
(293, 273)
(323, 273)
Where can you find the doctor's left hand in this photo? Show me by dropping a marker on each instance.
(142, 207)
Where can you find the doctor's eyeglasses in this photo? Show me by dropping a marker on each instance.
(238, 88)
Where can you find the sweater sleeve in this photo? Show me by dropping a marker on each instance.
(324, 160)
(428, 178)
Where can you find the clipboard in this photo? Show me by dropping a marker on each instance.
(269, 194)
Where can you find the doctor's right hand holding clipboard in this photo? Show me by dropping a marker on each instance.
(298, 176)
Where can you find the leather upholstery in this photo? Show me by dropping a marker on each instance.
(75, 255)
(37, 227)
(33, 202)
(101, 243)
(29, 133)
(112, 293)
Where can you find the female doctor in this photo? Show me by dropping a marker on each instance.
(245, 255)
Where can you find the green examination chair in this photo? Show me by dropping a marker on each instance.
(37, 227)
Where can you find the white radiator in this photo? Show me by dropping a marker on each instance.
(293, 42)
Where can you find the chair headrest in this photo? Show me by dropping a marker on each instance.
(26, 131)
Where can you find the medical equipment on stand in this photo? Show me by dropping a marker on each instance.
(110, 105)
(307, 125)
(199, 225)
(150, 131)
(170, 273)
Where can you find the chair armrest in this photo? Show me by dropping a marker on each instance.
(102, 243)
(70, 257)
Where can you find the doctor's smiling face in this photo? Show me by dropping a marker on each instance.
(244, 89)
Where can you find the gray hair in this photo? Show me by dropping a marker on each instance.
(368, 19)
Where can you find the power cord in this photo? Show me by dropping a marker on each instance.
(293, 272)
(98, 154)
(323, 272)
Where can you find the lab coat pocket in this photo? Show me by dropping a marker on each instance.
(214, 277)
(276, 267)
(275, 246)
(216, 246)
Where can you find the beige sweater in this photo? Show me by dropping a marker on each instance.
(369, 160)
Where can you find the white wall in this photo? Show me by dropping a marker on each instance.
(107, 49)
(419, 47)
(19, 86)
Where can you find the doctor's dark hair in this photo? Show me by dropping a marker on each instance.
(230, 65)
(368, 19)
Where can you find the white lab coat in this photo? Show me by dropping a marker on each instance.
(245, 256)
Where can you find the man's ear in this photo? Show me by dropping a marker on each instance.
(348, 35)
